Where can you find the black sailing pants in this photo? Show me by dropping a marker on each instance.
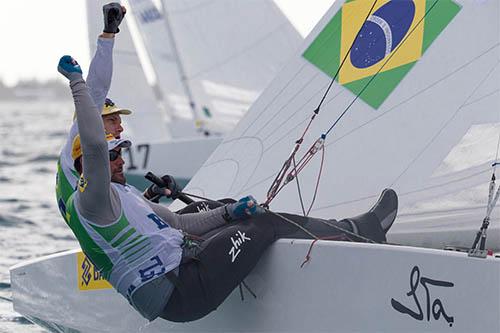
(228, 256)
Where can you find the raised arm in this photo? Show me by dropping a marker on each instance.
(101, 70)
(94, 189)
(98, 82)
(101, 67)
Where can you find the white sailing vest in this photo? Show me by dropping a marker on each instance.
(132, 251)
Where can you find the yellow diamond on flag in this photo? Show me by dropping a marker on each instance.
(398, 23)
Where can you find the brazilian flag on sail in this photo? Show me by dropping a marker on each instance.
(394, 37)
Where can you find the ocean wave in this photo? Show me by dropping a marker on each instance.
(11, 220)
(11, 200)
(44, 158)
(19, 258)
(57, 134)
(43, 170)
(56, 237)
(12, 153)
(6, 164)
(22, 207)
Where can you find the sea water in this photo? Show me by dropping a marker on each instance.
(31, 136)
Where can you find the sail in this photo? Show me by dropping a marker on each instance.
(212, 59)
(160, 45)
(129, 88)
(415, 107)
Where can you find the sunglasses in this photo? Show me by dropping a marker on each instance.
(113, 154)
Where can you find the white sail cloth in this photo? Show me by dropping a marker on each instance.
(426, 140)
(217, 55)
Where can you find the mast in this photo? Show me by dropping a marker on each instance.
(180, 67)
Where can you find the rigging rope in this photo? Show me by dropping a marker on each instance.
(276, 186)
(299, 191)
(278, 183)
(318, 179)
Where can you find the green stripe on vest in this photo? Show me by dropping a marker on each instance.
(134, 246)
(129, 242)
(89, 247)
(124, 237)
(111, 231)
(147, 247)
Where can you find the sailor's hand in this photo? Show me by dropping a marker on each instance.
(244, 208)
(155, 192)
(113, 15)
(170, 190)
(69, 68)
(171, 186)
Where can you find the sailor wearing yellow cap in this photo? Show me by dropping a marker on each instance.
(111, 117)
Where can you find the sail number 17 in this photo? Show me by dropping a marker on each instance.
(136, 155)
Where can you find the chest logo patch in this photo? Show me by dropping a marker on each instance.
(82, 184)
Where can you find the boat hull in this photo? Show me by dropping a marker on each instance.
(344, 287)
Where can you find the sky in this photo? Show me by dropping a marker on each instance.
(36, 33)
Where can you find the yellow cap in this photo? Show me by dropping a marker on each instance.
(76, 148)
(110, 108)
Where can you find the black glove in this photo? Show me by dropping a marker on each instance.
(113, 15)
(171, 185)
(155, 192)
